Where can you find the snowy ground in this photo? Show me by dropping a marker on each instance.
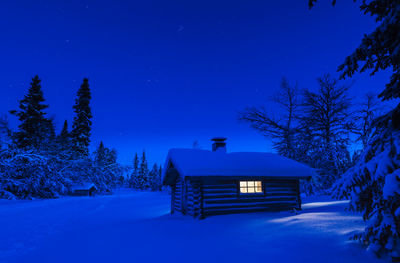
(132, 226)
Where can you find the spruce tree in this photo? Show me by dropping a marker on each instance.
(111, 156)
(155, 179)
(100, 155)
(81, 127)
(135, 172)
(64, 132)
(49, 142)
(144, 172)
(160, 176)
(63, 139)
(152, 178)
(5, 133)
(34, 128)
(103, 156)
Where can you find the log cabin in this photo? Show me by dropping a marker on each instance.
(205, 183)
(85, 189)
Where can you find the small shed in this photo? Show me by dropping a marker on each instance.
(205, 183)
(85, 189)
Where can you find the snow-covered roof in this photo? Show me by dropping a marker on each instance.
(195, 162)
(84, 186)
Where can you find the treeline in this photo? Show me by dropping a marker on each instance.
(38, 162)
(318, 128)
(142, 178)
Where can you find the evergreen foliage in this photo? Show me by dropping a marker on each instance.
(5, 134)
(143, 175)
(81, 126)
(38, 164)
(64, 139)
(64, 134)
(373, 186)
(142, 178)
(104, 156)
(155, 178)
(34, 130)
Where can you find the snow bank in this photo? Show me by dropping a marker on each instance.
(137, 227)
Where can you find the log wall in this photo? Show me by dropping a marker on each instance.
(200, 198)
(224, 197)
(176, 196)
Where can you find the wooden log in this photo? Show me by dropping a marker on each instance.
(250, 204)
(247, 210)
(253, 200)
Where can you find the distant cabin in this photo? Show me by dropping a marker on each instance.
(86, 189)
(205, 183)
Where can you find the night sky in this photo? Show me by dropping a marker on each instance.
(166, 73)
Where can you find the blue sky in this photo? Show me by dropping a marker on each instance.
(166, 73)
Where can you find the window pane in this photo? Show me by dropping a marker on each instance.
(250, 187)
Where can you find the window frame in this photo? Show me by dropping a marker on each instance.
(247, 187)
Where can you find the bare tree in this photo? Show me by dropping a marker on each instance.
(281, 130)
(328, 118)
(328, 110)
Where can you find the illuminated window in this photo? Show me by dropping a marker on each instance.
(250, 187)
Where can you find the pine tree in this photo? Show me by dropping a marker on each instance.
(135, 172)
(144, 173)
(34, 128)
(49, 142)
(160, 176)
(63, 141)
(103, 156)
(111, 156)
(5, 133)
(64, 132)
(373, 187)
(155, 180)
(100, 155)
(81, 127)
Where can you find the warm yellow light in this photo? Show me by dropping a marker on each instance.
(250, 187)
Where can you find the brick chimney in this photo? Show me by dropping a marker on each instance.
(219, 144)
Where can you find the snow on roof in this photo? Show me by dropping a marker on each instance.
(195, 162)
(84, 186)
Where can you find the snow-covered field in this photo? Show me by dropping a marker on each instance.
(136, 226)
